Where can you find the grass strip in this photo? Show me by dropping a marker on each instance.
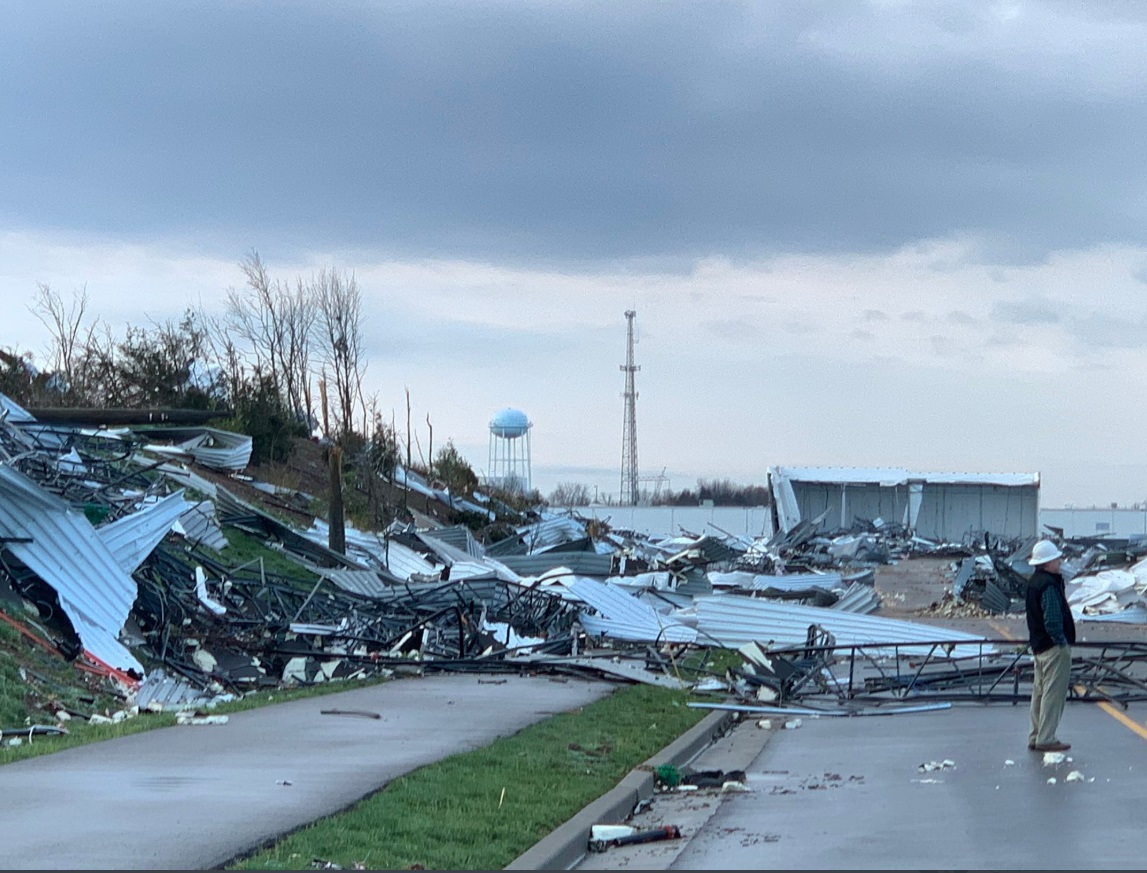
(479, 810)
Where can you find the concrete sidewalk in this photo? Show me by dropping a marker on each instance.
(195, 797)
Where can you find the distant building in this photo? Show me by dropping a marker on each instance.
(951, 507)
(1113, 523)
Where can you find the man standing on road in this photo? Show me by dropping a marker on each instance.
(1051, 633)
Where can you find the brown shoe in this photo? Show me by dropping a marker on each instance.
(1057, 746)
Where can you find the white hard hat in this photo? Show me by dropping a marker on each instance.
(1044, 551)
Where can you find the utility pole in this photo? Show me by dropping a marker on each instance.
(629, 478)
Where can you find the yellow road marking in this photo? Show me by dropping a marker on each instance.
(1125, 720)
(1002, 631)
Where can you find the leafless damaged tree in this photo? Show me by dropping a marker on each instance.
(340, 337)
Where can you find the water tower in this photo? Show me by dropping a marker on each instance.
(510, 451)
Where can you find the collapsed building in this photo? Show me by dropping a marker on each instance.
(952, 507)
(118, 547)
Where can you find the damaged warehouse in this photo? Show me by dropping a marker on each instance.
(951, 507)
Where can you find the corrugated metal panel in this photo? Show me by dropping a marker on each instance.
(217, 449)
(460, 537)
(162, 693)
(198, 525)
(399, 560)
(415, 482)
(551, 531)
(858, 598)
(582, 563)
(623, 616)
(462, 564)
(65, 551)
(132, 538)
(732, 621)
(365, 582)
(788, 582)
(13, 411)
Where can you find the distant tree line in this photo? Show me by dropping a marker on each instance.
(283, 360)
(722, 492)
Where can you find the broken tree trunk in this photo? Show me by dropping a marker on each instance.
(336, 540)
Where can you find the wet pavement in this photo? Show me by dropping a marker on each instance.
(950, 789)
(197, 796)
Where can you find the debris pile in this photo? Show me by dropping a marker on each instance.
(147, 557)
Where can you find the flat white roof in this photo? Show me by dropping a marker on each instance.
(898, 476)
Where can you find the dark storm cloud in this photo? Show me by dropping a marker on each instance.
(555, 133)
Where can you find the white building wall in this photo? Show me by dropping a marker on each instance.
(670, 521)
(1120, 523)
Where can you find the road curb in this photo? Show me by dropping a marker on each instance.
(567, 844)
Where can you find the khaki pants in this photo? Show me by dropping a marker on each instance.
(1049, 694)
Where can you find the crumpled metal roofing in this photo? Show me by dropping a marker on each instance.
(462, 564)
(732, 621)
(552, 530)
(133, 537)
(199, 525)
(623, 616)
(211, 447)
(13, 411)
(365, 582)
(396, 558)
(762, 581)
(67, 553)
(582, 563)
(416, 482)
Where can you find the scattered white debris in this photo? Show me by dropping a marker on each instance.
(63, 715)
(15, 741)
(189, 718)
(792, 724)
(1053, 758)
(1051, 781)
(928, 781)
(735, 785)
(1009, 763)
(928, 767)
(611, 831)
(96, 718)
(765, 724)
(1074, 776)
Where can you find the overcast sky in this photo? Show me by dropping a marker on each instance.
(855, 234)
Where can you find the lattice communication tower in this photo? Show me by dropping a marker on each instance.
(629, 478)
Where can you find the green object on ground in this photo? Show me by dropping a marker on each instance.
(95, 512)
(667, 774)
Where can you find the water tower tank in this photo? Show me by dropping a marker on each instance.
(509, 423)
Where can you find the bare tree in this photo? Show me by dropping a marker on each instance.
(69, 334)
(570, 494)
(340, 336)
(276, 322)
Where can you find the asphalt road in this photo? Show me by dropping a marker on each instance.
(848, 793)
(197, 796)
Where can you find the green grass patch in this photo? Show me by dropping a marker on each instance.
(479, 810)
(246, 550)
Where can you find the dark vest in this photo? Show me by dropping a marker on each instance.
(1038, 636)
